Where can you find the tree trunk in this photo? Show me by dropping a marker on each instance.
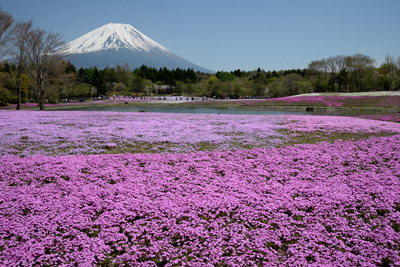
(41, 101)
(19, 96)
(18, 85)
(41, 98)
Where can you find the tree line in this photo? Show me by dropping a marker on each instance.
(36, 71)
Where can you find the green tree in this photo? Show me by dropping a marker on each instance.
(179, 88)
(360, 70)
(388, 72)
(191, 76)
(138, 85)
(238, 73)
(212, 80)
(109, 76)
(225, 76)
(123, 75)
(216, 90)
(82, 90)
(167, 77)
(290, 81)
(97, 81)
(276, 88)
(259, 88)
(189, 89)
(25, 85)
(303, 87)
(6, 85)
(317, 73)
(83, 75)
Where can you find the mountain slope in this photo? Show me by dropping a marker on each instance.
(116, 43)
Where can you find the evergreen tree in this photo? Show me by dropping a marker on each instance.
(97, 81)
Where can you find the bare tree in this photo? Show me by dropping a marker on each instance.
(340, 62)
(44, 58)
(336, 66)
(318, 67)
(19, 52)
(398, 62)
(388, 66)
(6, 21)
(318, 72)
(333, 71)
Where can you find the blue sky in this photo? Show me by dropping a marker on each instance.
(229, 35)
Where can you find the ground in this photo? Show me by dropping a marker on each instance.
(147, 189)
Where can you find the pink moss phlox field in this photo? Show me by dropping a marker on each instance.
(81, 132)
(27, 133)
(335, 101)
(394, 117)
(330, 101)
(317, 205)
(330, 124)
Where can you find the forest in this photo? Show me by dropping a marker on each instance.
(356, 73)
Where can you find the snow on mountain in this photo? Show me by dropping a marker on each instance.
(116, 43)
(113, 36)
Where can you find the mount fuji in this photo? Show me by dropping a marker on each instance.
(116, 43)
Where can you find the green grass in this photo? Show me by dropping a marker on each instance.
(320, 136)
(287, 138)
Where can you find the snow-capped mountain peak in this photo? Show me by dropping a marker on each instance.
(113, 36)
(121, 44)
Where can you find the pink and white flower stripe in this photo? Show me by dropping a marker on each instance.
(27, 133)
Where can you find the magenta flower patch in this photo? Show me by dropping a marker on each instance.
(394, 117)
(326, 204)
(332, 101)
(305, 205)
